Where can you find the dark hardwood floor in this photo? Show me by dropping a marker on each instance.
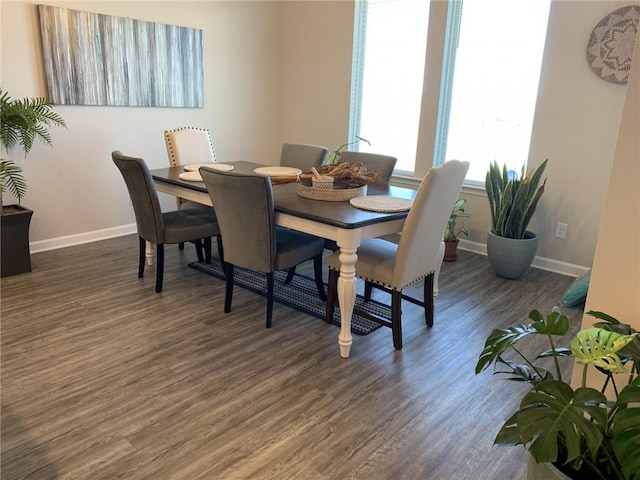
(104, 379)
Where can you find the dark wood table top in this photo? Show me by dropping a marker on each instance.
(286, 200)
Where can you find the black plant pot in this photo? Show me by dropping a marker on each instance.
(15, 257)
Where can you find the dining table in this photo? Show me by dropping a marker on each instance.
(334, 220)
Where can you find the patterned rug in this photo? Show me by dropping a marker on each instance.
(300, 294)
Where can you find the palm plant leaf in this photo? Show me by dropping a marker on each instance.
(552, 410)
(11, 179)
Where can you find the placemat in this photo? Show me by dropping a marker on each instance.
(276, 170)
(194, 167)
(382, 203)
(191, 176)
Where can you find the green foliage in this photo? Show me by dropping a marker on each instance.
(581, 431)
(513, 201)
(22, 122)
(334, 155)
(455, 228)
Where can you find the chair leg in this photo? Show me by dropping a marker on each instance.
(428, 299)
(207, 250)
(228, 293)
(159, 266)
(269, 299)
(141, 259)
(317, 270)
(198, 244)
(368, 289)
(396, 323)
(181, 246)
(223, 265)
(290, 273)
(331, 295)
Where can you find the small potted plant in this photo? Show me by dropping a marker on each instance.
(453, 229)
(21, 123)
(579, 432)
(511, 248)
(334, 155)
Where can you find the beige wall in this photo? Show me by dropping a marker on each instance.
(279, 72)
(576, 126)
(614, 287)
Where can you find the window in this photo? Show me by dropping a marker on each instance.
(490, 73)
(389, 53)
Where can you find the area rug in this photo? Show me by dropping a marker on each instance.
(300, 294)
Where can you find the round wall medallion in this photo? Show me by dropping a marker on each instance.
(611, 44)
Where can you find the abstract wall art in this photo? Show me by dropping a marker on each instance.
(96, 59)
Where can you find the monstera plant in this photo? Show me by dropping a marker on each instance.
(582, 431)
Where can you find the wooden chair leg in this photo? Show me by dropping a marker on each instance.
(228, 293)
(141, 259)
(396, 323)
(269, 299)
(428, 299)
(317, 270)
(368, 288)
(290, 273)
(332, 292)
(159, 266)
(207, 250)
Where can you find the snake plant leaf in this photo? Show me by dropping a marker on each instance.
(499, 341)
(551, 410)
(599, 347)
(626, 430)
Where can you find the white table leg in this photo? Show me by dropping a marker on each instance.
(149, 253)
(347, 286)
(436, 274)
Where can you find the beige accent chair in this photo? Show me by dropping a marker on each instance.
(187, 145)
(302, 156)
(246, 215)
(153, 225)
(392, 267)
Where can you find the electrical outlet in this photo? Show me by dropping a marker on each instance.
(561, 230)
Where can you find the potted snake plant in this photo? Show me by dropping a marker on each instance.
(22, 122)
(575, 433)
(512, 202)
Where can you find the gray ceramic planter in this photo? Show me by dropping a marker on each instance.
(510, 257)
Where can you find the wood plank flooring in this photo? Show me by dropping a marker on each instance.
(102, 378)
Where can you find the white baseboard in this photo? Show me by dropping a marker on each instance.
(87, 237)
(542, 263)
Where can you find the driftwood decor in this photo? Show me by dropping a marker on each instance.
(96, 59)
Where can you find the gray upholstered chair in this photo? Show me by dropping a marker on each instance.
(391, 267)
(302, 156)
(157, 227)
(245, 211)
(383, 164)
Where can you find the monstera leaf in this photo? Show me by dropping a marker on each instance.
(626, 430)
(552, 410)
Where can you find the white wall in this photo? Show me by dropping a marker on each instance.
(279, 72)
(74, 187)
